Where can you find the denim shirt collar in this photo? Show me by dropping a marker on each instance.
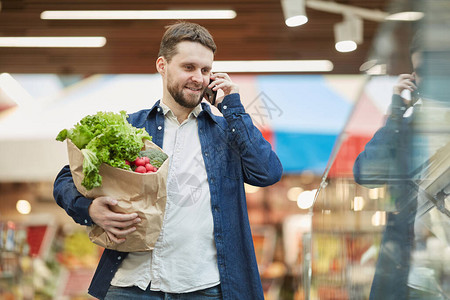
(206, 110)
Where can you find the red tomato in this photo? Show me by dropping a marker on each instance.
(140, 169)
(139, 161)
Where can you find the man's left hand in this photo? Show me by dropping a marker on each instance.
(222, 81)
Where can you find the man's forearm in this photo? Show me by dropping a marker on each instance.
(68, 197)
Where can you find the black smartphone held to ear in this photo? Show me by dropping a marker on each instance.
(415, 95)
(210, 95)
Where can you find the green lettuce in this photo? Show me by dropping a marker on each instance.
(105, 137)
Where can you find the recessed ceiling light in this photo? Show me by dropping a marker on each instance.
(73, 41)
(136, 14)
(406, 16)
(279, 66)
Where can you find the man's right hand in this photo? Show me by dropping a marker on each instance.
(405, 82)
(116, 225)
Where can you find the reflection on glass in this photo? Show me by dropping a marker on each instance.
(381, 223)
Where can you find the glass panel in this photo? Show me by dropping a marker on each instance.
(380, 223)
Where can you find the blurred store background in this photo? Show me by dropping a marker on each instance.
(316, 232)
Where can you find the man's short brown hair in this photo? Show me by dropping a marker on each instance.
(184, 31)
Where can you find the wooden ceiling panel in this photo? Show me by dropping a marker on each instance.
(258, 32)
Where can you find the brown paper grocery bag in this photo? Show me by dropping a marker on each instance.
(144, 194)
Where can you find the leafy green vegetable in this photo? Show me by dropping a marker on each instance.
(90, 169)
(157, 157)
(105, 137)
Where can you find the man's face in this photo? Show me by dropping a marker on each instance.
(416, 59)
(187, 73)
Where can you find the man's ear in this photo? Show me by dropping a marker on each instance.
(161, 64)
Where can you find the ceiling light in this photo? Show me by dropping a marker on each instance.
(294, 12)
(346, 46)
(368, 64)
(78, 41)
(406, 16)
(273, 66)
(348, 34)
(379, 69)
(338, 8)
(136, 14)
(373, 67)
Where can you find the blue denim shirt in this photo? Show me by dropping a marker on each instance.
(234, 152)
(388, 158)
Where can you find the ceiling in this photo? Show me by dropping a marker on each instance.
(258, 32)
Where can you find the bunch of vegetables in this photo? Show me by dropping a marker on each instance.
(148, 161)
(106, 137)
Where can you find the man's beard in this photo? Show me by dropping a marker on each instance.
(177, 95)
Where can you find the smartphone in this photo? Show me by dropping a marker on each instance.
(415, 95)
(210, 95)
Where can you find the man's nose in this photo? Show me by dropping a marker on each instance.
(197, 76)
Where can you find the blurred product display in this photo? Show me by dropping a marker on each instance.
(38, 261)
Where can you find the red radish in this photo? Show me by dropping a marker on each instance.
(149, 167)
(155, 169)
(127, 162)
(140, 169)
(139, 161)
(146, 159)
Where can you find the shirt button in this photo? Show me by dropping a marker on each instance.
(233, 130)
(159, 127)
(119, 257)
(159, 109)
(216, 208)
(225, 107)
(85, 221)
(397, 131)
(206, 153)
